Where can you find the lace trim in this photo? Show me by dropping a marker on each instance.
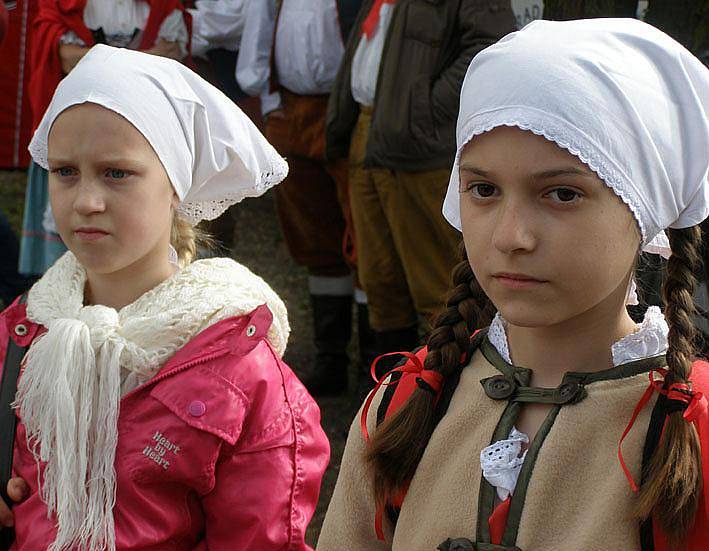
(650, 339)
(501, 462)
(557, 131)
(498, 337)
(195, 211)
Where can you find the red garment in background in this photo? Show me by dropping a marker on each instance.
(369, 26)
(55, 18)
(4, 16)
(15, 114)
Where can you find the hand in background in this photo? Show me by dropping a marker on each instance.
(166, 49)
(70, 55)
(17, 490)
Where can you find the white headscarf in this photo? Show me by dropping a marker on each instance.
(622, 96)
(211, 151)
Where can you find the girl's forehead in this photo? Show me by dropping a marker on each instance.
(92, 127)
(512, 147)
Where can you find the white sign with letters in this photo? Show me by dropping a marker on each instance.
(527, 11)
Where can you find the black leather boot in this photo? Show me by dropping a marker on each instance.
(367, 353)
(332, 323)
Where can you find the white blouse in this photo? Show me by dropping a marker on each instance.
(217, 24)
(309, 46)
(120, 19)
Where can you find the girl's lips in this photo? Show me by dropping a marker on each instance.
(517, 281)
(89, 234)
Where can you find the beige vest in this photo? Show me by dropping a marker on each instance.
(577, 498)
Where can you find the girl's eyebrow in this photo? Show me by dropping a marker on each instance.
(57, 161)
(551, 173)
(107, 160)
(475, 170)
(565, 171)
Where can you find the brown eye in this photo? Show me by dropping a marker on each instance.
(564, 195)
(482, 190)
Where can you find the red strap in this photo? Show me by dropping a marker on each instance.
(414, 365)
(498, 521)
(697, 412)
(379, 521)
(369, 26)
(655, 384)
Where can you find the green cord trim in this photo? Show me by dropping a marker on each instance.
(518, 378)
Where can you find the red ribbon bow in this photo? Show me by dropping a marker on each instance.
(414, 365)
(696, 412)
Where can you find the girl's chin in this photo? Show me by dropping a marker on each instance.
(529, 315)
(100, 262)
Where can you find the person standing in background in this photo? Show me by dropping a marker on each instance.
(11, 283)
(392, 111)
(291, 51)
(62, 33)
(217, 26)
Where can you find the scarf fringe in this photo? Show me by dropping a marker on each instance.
(81, 416)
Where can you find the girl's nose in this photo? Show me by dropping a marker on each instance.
(89, 198)
(514, 229)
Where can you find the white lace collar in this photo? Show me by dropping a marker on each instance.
(650, 339)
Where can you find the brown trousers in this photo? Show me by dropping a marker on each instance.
(405, 248)
(311, 203)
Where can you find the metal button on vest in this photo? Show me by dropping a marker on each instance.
(197, 408)
(498, 387)
(250, 330)
(20, 330)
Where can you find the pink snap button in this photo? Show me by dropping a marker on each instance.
(197, 408)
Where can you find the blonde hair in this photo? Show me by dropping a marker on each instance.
(186, 239)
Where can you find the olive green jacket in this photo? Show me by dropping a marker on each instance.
(426, 54)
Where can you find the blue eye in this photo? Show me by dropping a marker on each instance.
(64, 172)
(116, 173)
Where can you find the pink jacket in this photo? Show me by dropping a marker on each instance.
(222, 449)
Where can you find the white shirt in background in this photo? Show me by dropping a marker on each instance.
(368, 57)
(120, 18)
(217, 24)
(253, 66)
(309, 46)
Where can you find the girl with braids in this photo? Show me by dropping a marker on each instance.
(540, 417)
(153, 408)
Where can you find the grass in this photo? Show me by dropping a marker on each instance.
(257, 243)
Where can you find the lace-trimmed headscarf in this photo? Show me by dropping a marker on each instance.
(622, 96)
(212, 153)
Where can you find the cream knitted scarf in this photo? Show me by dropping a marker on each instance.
(68, 395)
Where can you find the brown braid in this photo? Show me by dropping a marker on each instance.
(398, 445)
(674, 482)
